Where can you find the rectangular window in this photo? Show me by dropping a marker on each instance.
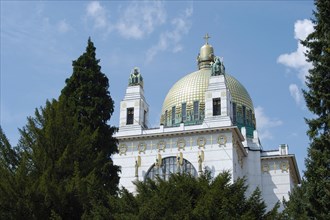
(244, 115)
(196, 105)
(184, 112)
(234, 112)
(173, 115)
(165, 118)
(249, 117)
(216, 106)
(130, 116)
(145, 119)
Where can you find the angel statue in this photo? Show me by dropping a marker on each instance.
(217, 67)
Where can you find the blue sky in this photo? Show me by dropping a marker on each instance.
(257, 39)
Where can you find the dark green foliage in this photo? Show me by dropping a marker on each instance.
(62, 168)
(312, 200)
(295, 208)
(186, 197)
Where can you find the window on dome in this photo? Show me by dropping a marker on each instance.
(184, 112)
(244, 115)
(196, 104)
(130, 116)
(165, 118)
(173, 115)
(234, 112)
(216, 106)
(170, 166)
(249, 117)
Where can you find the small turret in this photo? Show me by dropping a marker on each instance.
(134, 109)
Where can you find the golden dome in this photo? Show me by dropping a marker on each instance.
(192, 88)
(185, 102)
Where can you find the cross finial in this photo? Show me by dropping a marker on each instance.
(206, 37)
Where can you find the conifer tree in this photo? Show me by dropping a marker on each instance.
(69, 146)
(312, 200)
(184, 196)
(318, 102)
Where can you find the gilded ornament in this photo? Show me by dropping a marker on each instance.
(161, 146)
(284, 166)
(142, 147)
(122, 149)
(160, 160)
(179, 162)
(201, 141)
(181, 143)
(265, 168)
(222, 140)
(137, 165)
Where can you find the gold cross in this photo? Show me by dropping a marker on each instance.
(206, 37)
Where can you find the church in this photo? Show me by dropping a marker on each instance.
(207, 123)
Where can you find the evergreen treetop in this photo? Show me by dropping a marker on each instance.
(312, 199)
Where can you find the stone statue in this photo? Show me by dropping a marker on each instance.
(178, 164)
(217, 67)
(135, 78)
(136, 168)
(200, 164)
(157, 163)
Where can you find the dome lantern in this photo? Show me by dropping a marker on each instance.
(206, 54)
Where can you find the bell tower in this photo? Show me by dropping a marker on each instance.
(217, 95)
(134, 109)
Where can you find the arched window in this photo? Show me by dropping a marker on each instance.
(169, 165)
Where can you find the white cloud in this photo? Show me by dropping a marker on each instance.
(171, 39)
(97, 13)
(63, 26)
(302, 29)
(140, 19)
(297, 60)
(264, 123)
(295, 93)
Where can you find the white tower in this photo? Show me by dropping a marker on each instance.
(134, 108)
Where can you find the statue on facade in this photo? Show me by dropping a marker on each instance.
(179, 162)
(200, 162)
(217, 67)
(158, 162)
(137, 165)
(136, 169)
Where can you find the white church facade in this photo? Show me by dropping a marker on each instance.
(207, 123)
